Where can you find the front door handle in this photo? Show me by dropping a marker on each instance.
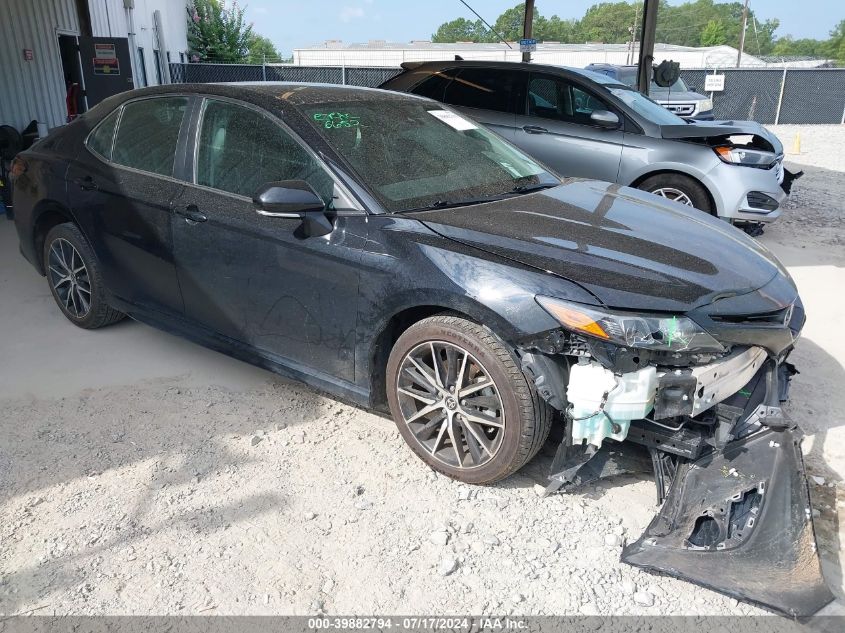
(534, 129)
(86, 183)
(192, 213)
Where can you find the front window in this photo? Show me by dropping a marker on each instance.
(239, 150)
(414, 154)
(558, 99)
(644, 106)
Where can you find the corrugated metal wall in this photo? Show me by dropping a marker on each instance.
(33, 89)
(108, 18)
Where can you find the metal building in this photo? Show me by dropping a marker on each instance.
(59, 57)
(391, 54)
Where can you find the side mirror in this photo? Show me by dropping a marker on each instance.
(287, 199)
(294, 199)
(605, 119)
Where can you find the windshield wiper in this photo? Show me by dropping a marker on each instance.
(535, 187)
(446, 204)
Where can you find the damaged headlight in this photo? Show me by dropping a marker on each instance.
(746, 157)
(654, 332)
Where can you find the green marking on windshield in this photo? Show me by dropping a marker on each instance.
(745, 392)
(336, 120)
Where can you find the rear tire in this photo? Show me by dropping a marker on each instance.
(681, 188)
(497, 429)
(74, 278)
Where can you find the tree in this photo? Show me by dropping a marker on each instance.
(608, 22)
(261, 50)
(510, 24)
(714, 33)
(217, 33)
(693, 23)
(835, 46)
(788, 47)
(461, 30)
(555, 29)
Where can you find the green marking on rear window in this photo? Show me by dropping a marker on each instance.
(335, 120)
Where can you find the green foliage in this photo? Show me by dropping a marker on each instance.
(261, 50)
(609, 22)
(555, 29)
(217, 32)
(694, 23)
(462, 30)
(835, 46)
(714, 33)
(509, 24)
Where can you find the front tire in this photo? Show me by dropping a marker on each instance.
(681, 189)
(74, 277)
(461, 401)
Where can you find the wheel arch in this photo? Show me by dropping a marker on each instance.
(677, 172)
(403, 318)
(45, 215)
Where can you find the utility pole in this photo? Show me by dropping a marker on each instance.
(645, 58)
(632, 52)
(528, 27)
(742, 34)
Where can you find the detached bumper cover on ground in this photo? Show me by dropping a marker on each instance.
(740, 522)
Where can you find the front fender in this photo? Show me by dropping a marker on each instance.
(651, 156)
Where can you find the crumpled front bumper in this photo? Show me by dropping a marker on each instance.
(739, 522)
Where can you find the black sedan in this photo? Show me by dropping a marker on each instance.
(390, 251)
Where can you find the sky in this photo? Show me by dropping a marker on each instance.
(295, 24)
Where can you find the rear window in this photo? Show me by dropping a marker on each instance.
(148, 133)
(100, 141)
(434, 87)
(482, 88)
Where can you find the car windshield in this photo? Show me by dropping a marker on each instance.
(647, 108)
(628, 76)
(415, 154)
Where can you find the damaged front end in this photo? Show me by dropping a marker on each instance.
(703, 414)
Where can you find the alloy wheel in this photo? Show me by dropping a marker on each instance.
(69, 278)
(673, 194)
(450, 404)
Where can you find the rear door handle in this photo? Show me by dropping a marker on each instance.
(534, 129)
(191, 213)
(86, 183)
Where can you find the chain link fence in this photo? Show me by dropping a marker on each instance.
(776, 95)
(770, 95)
(368, 76)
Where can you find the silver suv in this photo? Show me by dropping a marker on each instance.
(586, 124)
(677, 98)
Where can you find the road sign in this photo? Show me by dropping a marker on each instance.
(527, 46)
(714, 83)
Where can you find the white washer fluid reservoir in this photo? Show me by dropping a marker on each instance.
(630, 397)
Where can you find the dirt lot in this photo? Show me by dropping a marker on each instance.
(140, 474)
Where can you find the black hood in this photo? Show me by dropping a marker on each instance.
(630, 249)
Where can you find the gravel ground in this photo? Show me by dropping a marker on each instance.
(182, 493)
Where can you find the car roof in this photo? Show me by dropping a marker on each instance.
(615, 66)
(598, 78)
(274, 95)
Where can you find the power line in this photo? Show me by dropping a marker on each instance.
(492, 30)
